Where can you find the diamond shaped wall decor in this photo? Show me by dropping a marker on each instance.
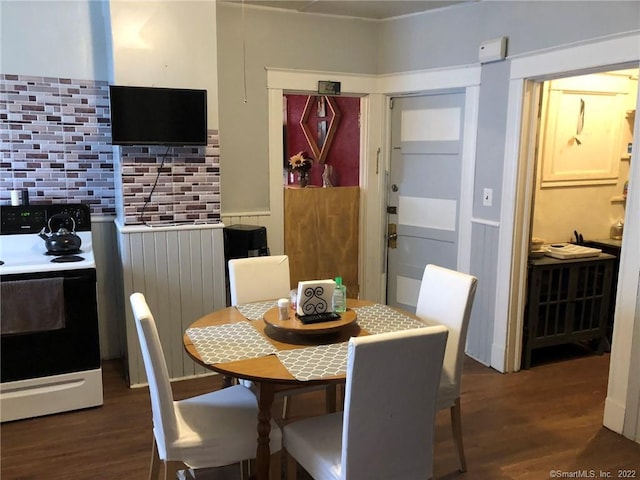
(320, 146)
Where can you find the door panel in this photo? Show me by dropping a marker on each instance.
(424, 186)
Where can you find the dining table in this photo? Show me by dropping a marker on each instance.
(250, 342)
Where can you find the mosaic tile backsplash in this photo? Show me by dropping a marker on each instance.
(55, 138)
(187, 189)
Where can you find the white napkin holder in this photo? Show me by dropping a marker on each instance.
(315, 296)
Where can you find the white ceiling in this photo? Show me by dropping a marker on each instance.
(375, 10)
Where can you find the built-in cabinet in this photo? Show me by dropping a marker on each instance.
(321, 236)
(567, 302)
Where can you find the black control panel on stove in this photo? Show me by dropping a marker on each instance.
(33, 218)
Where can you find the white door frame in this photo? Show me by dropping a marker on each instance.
(621, 406)
(374, 154)
(281, 81)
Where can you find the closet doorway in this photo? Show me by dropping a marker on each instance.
(582, 144)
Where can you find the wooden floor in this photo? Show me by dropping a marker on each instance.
(517, 426)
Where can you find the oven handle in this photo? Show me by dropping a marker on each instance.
(66, 275)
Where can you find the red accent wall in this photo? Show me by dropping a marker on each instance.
(344, 152)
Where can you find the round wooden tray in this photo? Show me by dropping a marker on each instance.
(293, 325)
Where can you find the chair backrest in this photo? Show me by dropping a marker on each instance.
(259, 278)
(446, 297)
(165, 423)
(390, 404)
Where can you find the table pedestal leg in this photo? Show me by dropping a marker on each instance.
(265, 402)
(330, 398)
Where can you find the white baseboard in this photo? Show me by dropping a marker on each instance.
(614, 413)
(498, 357)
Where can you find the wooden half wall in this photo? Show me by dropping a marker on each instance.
(180, 271)
(321, 234)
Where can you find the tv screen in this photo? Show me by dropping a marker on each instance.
(158, 116)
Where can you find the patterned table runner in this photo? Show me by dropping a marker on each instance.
(315, 362)
(256, 310)
(380, 318)
(239, 341)
(229, 342)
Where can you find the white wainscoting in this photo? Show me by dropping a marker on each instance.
(483, 265)
(180, 270)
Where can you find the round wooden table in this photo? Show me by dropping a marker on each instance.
(294, 326)
(267, 373)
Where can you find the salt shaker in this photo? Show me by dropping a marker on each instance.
(283, 309)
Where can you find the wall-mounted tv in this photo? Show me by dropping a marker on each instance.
(158, 116)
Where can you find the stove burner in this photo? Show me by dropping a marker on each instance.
(67, 258)
(62, 254)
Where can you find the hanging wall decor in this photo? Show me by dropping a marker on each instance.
(324, 123)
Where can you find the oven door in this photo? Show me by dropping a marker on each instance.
(73, 348)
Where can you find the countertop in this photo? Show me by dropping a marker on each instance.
(554, 261)
(606, 241)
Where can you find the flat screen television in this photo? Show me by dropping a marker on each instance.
(158, 116)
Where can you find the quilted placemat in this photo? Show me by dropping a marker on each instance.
(315, 362)
(256, 310)
(229, 342)
(380, 318)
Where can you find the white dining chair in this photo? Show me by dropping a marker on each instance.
(446, 298)
(387, 427)
(268, 278)
(259, 278)
(211, 430)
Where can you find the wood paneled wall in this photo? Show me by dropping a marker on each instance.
(110, 305)
(181, 273)
(484, 266)
(321, 234)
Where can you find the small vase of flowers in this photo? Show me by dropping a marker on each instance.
(300, 164)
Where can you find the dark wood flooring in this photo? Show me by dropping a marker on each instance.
(516, 426)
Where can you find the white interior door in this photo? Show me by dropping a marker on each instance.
(423, 190)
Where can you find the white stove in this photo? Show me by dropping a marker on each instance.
(27, 253)
(49, 343)
(22, 250)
